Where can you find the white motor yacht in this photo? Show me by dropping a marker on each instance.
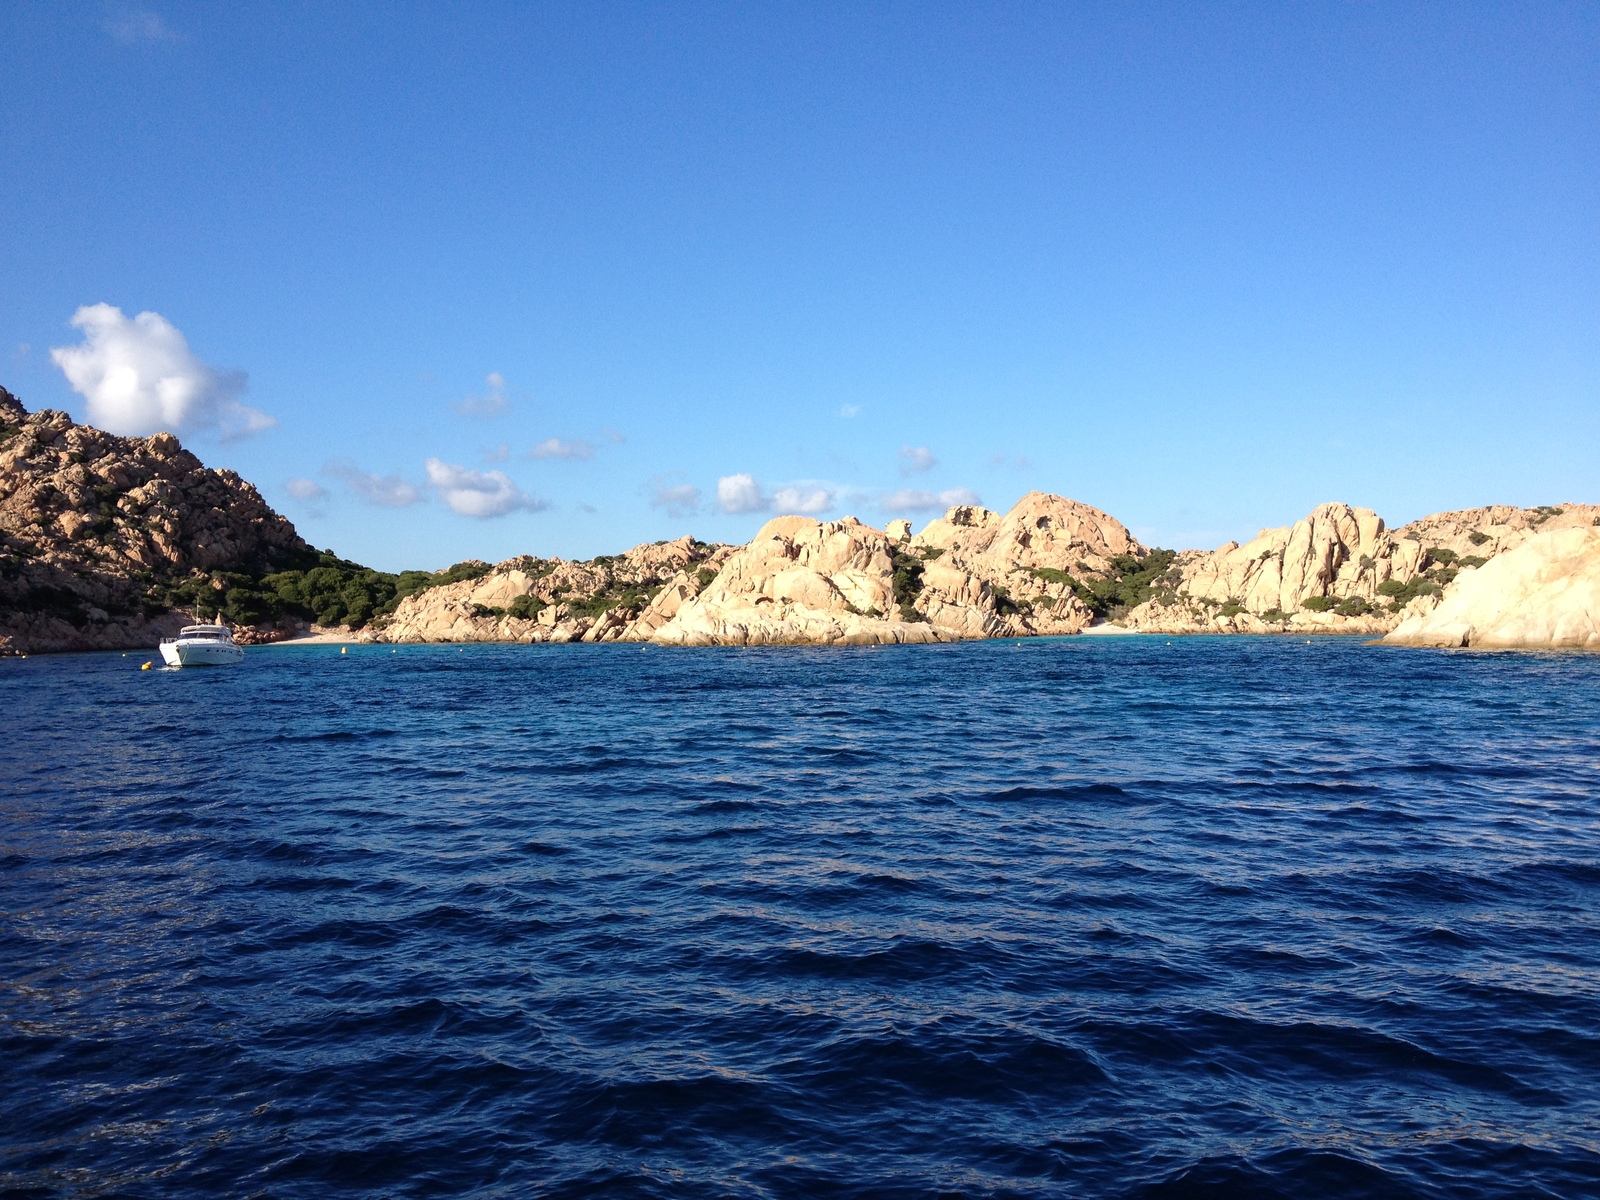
(202, 646)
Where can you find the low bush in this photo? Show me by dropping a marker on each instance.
(1354, 606)
(1440, 555)
(526, 608)
(1317, 603)
(1476, 538)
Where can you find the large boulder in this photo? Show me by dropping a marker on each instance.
(1545, 592)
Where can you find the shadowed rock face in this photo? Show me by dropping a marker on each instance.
(1545, 591)
(91, 522)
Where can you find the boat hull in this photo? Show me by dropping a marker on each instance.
(201, 654)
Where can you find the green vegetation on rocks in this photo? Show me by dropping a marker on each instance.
(1127, 583)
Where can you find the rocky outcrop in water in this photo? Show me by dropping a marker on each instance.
(94, 528)
(1543, 592)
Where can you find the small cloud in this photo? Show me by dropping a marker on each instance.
(140, 377)
(500, 453)
(741, 494)
(916, 459)
(492, 403)
(479, 493)
(140, 26)
(612, 436)
(22, 351)
(1019, 462)
(678, 499)
(306, 489)
(310, 494)
(808, 499)
(388, 491)
(556, 448)
(916, 500)
(850, 411)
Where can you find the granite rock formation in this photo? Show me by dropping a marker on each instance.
(971, 574)
(95, 527)
(1543, 592)
(1339, 570)
(552, 600)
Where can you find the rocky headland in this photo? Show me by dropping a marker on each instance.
(111, 543)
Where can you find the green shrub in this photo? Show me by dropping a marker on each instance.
(907, 585)
(1129, 582)
(704, 576)
(1054, 575)
(1231, 607)
(1275, 616)
(1472, 560)
(1317, 603)
(1441, 556)
(1544, 512)
(929, 553)
(1354, 606)
(1476, 538)
(526, 608)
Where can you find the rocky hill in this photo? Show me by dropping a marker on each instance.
(1049, 566)
(109, 542)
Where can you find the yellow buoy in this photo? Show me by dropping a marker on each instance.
(344, 649)
(147, 666)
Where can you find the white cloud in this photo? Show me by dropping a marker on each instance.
(135, 25)
(741, 494)
(850, 411)
(916, 500)
(916, 459)
(140, 377)
(808, 499)
(556, 448)
(306, 489)
(678, 499)
(390, 491)
(492, 403)
(479, 493)
(500, 453)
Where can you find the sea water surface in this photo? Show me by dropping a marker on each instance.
(1232, 917)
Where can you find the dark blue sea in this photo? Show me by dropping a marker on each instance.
(1087, 917)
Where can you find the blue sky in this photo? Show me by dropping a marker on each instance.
(1203, 266)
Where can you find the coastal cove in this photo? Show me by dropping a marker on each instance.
(1116, 916)
(109, 542)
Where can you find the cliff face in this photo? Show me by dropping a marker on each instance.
(1340, 570)
(94, 526)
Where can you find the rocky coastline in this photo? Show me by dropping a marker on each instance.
(112, 543)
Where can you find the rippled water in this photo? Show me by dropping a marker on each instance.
(1083, 917)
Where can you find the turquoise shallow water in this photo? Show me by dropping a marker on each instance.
(1081, 917)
